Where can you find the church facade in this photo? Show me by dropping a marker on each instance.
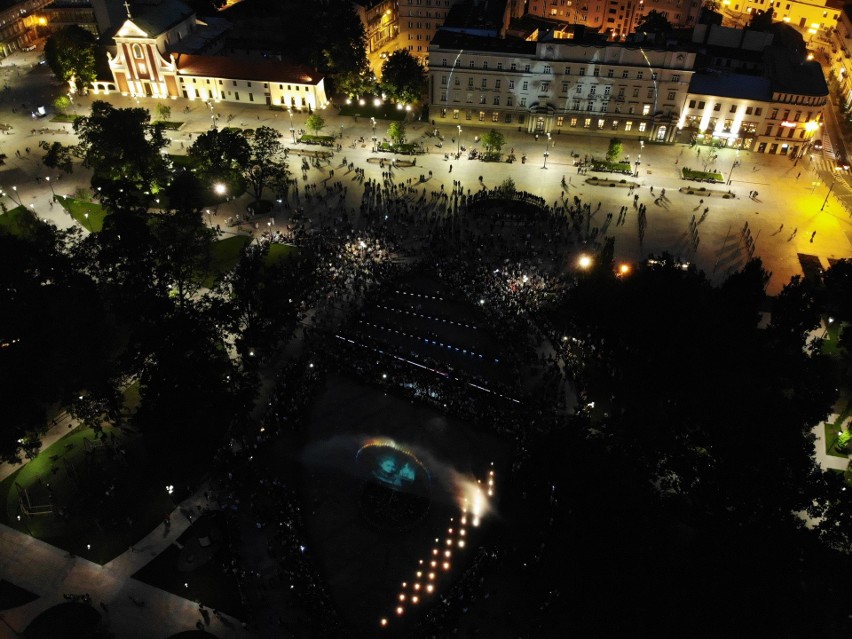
(168, 53)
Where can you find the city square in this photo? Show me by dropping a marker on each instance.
(348, 364)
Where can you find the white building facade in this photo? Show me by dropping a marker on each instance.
(559, 86)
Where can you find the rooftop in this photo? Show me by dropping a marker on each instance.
(216, 66)
(458, 40)
(156, 16)
(791, 76)
(731, 85)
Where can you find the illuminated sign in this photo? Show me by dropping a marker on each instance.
(789, 125)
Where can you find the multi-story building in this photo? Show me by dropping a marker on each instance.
(755, 91)
(617, 18)
(419, 21)
(841, 56)
(165, 53)
(632, 90)
(64, 13)
(812, 14)
(18, 22)
(380, 21)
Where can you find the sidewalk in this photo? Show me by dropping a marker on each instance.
(49, 572)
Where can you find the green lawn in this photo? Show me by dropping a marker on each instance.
(78, 209)
(182, 161)
(690, 174)
(223, 257)
(615, 167)
(167, 124)
(279, 253)
(324, 140)
(831, 343)
(18, 222)
(64, 117)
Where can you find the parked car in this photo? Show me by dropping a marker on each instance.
(818, 145)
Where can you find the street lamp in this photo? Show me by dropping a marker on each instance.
(220, 189)
(458, 152)
(292, 130)
(733, 166)
(825, 201)
(51, 186)
(15, 189)
(546, 152)
(373, 124)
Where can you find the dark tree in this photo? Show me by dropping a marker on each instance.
(403, 76)
(59, 157)
(762, 20)
(222, 155)
(183, 249)
(654, 22)
(70, 54)
(125, 152)
(54, 338)
(266, 162)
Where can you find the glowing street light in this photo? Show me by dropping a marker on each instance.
(546, 151)
(584, 262)
(51, 187)
(292, 130)
(458, 152)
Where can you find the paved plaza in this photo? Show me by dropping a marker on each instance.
(790, 215)
(789, 194)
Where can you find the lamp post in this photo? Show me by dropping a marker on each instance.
(15, 189)
(292, 130)
(53, 193)
(546, 152)
(458, 147)
(733, 166)
(373, 124)
(825, 201)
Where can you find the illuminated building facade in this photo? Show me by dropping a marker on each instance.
(631, 90)
(380, 21)
(618, 18)
(18, 24)
(168, 53)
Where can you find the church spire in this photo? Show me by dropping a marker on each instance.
(127, 7)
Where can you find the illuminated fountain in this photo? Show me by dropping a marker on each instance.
(396, 489)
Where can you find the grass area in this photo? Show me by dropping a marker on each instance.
(90, 215)
(612, 167)
(195, 571)
(279, 253)
(105, 496)
(64, 117)
(831, 343)
(831, 436)
(384, 111)
(405, 149)
(182, 161)
(324, 140)
(689, 174)
(168, 124)
(18, 222)
(223, 257)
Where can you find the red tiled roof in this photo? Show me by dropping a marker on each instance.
(216, 66)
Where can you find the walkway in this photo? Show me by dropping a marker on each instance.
(50, 572)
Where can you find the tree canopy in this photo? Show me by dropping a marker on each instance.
(266, 161)
(403, 77)
(125, 152)
(70, 54)
(654, 22)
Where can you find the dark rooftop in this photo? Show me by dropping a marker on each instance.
(791, 76)
(731, 85)
(218, 66)
(456, 40)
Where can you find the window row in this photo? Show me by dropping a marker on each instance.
(581, 71)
